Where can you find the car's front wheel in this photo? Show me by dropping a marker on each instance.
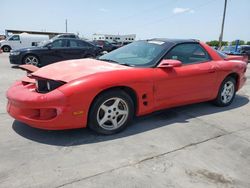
(31, 60)
(111, 112)
(6, 49)
(226, 92)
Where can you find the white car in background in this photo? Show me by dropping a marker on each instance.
(23, 40)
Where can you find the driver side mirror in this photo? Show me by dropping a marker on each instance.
(169, 63)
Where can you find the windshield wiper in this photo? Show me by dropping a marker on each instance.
(113, 61)
(109, 60)
(126, 64)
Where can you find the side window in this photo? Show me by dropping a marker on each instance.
(86, 44)
(188, 53)
(73, 43)
(59, 44)
(15, 37)
(81, 44)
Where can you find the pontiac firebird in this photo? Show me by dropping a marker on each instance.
(105, 94)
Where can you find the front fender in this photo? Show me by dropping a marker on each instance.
(82, 92)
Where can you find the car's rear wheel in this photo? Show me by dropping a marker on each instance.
(111, 112)
(31, 60)
(226, 92)
(6, 49)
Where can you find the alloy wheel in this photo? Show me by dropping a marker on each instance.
(31, 60)
(112, 113)
(227, 92)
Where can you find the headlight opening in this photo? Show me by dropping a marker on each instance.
(45, 85)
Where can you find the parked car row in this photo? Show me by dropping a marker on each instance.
(242, 50)
(39, 51)
(107, 46)
(54, 50)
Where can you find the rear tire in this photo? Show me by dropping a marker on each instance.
(111, 112)
(226, 92)
(6, 48)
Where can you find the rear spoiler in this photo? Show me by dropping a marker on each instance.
(28, 68)
(237, 57)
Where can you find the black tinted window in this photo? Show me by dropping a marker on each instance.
(188, 53)
(79, 43)
(86, 44)
(73, 43)
(59, 44)
(246, 48)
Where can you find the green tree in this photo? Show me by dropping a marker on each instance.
(213, 43)
(216, 43)
(248, 43)
(242, 42)
(224, 43)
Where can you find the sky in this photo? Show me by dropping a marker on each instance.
(196, 19)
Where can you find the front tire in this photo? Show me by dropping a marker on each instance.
(31, 60)
(111, 112)
(6, 48)
(226, 92)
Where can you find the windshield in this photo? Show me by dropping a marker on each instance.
(140, 53)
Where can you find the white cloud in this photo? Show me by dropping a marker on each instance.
(103, 10)
(182, 10)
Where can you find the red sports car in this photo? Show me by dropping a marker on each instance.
(134, 80)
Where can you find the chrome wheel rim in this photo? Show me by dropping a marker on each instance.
(31, 60)
(227, 92)
(112, 113)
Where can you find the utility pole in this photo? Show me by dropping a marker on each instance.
(66, 25)
(222, 25)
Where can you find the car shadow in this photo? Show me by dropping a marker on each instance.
(15, 67)
(139, 125)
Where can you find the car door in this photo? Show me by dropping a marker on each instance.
(55, 52)
(77, 49)
(191, 82)
(15, 42)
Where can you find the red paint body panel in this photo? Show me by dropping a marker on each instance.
(67, 107)
(74, 69)
(238, 57)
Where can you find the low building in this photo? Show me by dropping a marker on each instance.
(114, 38)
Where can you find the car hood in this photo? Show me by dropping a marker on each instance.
(73, 69)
